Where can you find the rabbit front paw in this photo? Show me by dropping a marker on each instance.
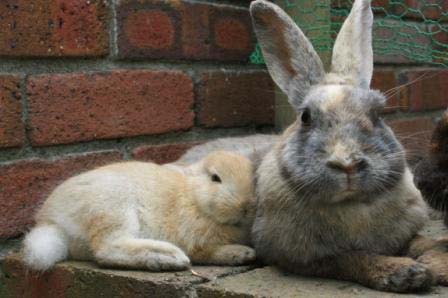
(406, 278)
(234, 254)
(437, 262)
(172, 260)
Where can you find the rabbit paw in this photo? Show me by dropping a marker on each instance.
(437, 262)
(174, 260)
(407, 278)
(234, 255)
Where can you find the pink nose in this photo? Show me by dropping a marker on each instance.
(347, 166)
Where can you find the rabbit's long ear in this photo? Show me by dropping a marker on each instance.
(352, 53)
(291, 59)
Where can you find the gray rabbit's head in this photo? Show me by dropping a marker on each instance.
(339, 147)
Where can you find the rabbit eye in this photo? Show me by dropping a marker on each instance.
(306, 117)
(375, 117)
(216, 178)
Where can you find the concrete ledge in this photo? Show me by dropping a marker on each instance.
(270, 282)
(81, 279)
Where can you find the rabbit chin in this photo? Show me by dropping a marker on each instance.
(345, 195)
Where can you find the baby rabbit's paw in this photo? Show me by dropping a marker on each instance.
(407, 277)
(234, 254)
(437, 262)
(172, 259)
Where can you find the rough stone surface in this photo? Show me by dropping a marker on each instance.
(161, 153)
(25, 184)
(12, 132)
(229, 98)
(46, 28)
(68, 108)
(78, 279)
(270, 282)
(183, 30)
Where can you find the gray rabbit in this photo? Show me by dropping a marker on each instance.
(335, 195)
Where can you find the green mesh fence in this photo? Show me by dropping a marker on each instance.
(404, 31)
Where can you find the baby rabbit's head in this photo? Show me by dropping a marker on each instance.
(225, 188)
(339, 147)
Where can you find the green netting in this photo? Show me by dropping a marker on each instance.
(405, 31)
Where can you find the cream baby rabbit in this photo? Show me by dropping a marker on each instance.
(146, 216)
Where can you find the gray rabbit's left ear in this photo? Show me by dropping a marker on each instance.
(352, 59)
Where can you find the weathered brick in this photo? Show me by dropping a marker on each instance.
(161, 153)
(235, 98)
(25, 184)
(385, 81)
(12, 131)
(429, 9)
(399, 42)
(183, 30)
(426, 90)
(67, 108)
(439, 38)
(414, 134)
(46, 28)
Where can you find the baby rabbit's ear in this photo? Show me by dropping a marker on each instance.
(352, 53)
(291, 59)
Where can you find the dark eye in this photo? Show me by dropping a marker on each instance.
(306, 117)
(375, 117)
(216, 178)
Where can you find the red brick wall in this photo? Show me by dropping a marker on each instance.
(85, 83)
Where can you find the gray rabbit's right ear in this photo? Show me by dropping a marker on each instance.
(291, 59)
(352, 53)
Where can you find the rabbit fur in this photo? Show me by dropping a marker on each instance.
(146, 216)
(431, 173)
(335, 196)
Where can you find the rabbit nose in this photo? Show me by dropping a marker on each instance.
(347, 165)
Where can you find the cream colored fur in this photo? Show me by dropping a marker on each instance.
(143, 215)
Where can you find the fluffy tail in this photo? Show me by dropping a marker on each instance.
(44, 246)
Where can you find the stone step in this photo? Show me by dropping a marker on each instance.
(83, 279)
(72, 279)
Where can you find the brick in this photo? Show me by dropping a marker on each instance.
(399, 42)
(439, 38)
(161, 153)
(234, 98)
(48, 28)
(183, 30)
(12, 133)
(25, 184)
(67, 108)
(426, 90)
(414, 134)
(81, 279)
(429, 9)
(386, 82)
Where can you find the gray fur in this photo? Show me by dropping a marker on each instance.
(253, 147)
(335, 192)
(308, 208)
